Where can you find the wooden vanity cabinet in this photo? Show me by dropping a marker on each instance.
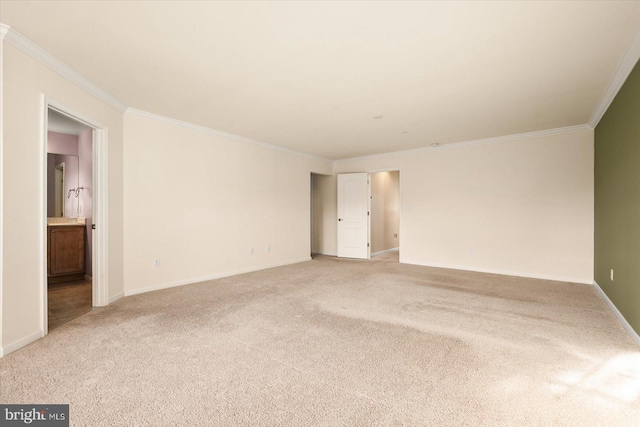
(65, 253)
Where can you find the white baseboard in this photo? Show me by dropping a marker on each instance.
(385, 251)
(634, 335)
(18, 344)
(207, 278)
(586, 281)
(116, 297)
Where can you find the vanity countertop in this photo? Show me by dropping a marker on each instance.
(65, 221)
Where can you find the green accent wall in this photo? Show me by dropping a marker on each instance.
(617, 200)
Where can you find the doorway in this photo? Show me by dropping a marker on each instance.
(74, 265)
(385, 216)
(69, 219)
(323, 215)
(369, 214)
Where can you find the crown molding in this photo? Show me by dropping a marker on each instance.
(222, 134)
(493, 140)
(4, 29)
(625, 66)
(29, 47)
(32, 49)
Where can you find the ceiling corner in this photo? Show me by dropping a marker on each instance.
(625, 66)
(34, 50)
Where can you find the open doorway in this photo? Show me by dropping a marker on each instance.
(385, 216)
(69, 218)
(323, 214)
(74, 215)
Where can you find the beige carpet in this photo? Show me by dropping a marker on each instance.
(337, 342)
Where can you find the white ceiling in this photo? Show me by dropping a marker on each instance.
(309, 76)
(57, 122)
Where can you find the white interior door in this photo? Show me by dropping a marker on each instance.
(353, 215)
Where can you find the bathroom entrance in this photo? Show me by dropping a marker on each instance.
(74, 219)
(69, 218)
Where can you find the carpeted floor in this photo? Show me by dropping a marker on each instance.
(339, 342)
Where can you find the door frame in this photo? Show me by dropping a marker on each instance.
(99, 258)
(400, 209)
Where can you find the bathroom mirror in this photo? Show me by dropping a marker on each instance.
(62, 185)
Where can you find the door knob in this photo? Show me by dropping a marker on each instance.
(339, 219)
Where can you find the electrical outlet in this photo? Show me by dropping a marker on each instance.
(612, 274)
(268, 248)
(156, 262)
(251, 251)
(471, 251)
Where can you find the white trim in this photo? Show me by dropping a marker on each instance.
(372, 171)
(502, 272)
(100, 217)
(43, 169)
(632, 333)
(18, 344)
(116, 297)
(493, 140)
(625, 66)
(156, 117)
(2, 33)
(207, 278)
(32, 49)
(385, 251)
(369, 185)
(4, 29)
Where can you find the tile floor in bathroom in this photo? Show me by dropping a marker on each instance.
(66, 301)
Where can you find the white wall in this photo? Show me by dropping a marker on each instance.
(24, 82)
(520, 207)
(324, 189)
(198, 202)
